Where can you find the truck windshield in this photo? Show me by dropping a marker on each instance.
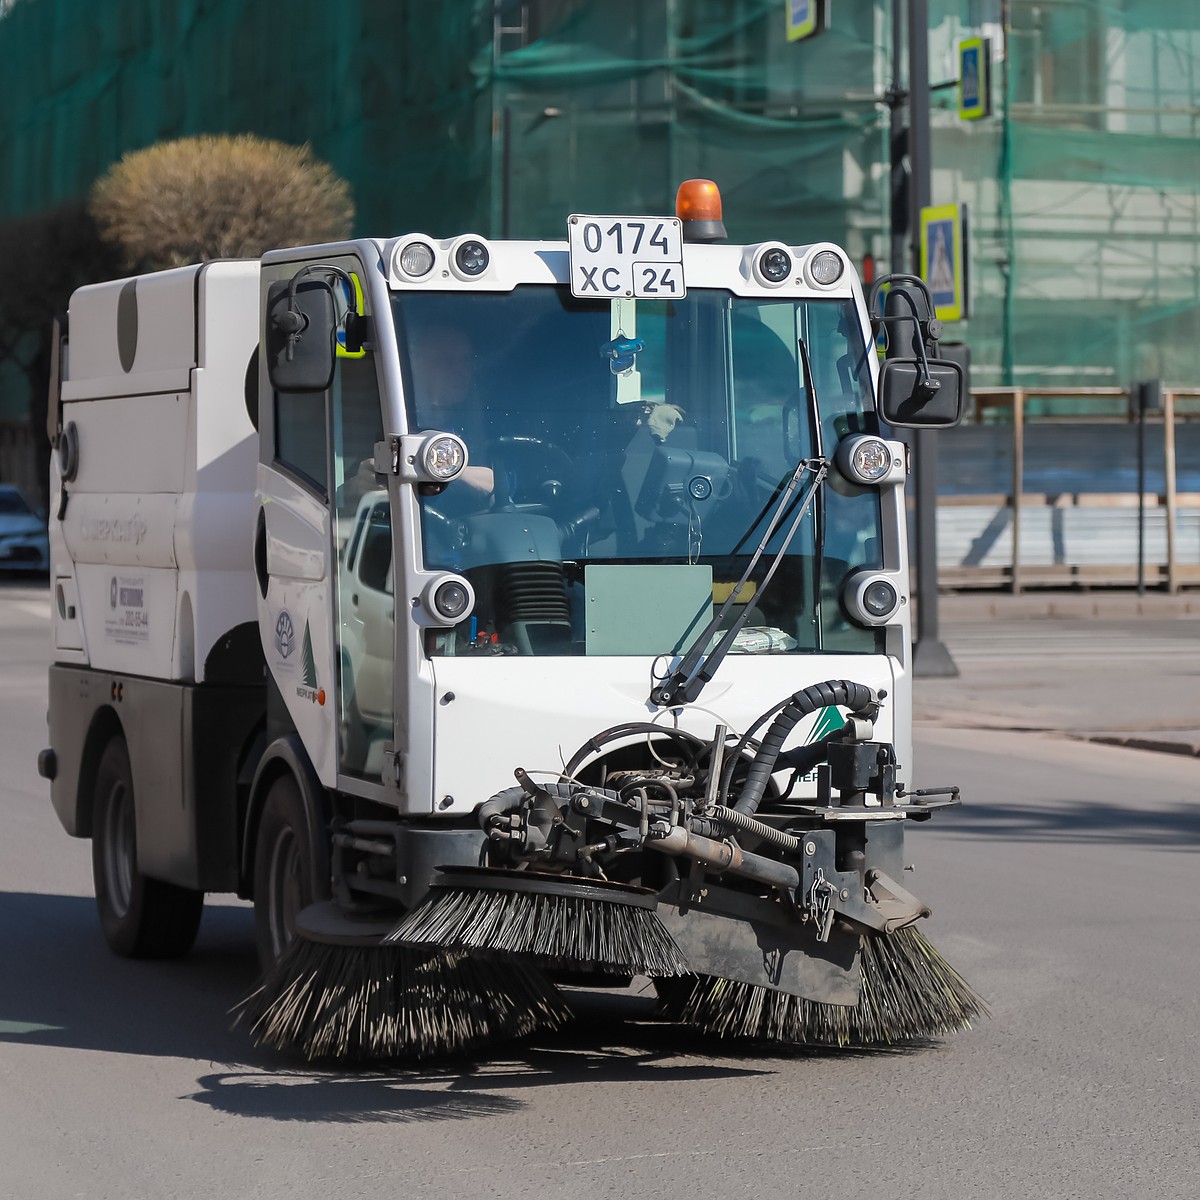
(625, 460)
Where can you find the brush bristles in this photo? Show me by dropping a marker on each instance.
(909, 991)
(554, 930)
(358, 1003)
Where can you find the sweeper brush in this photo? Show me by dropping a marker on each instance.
(354, 1000)
(676, 858)
(909, 992)
(553, 920)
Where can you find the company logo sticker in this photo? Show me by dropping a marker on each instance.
(311, 689)
(828, 721)
(129, 621)
(285, 634)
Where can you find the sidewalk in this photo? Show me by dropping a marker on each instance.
(1109, 667)
(1112, 604)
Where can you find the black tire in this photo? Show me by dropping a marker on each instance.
(141, 917)
(284, 878)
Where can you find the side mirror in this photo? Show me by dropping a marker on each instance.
(300, 335)
(916, 394)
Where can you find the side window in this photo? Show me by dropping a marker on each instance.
(357, 426)
(300, 436)
(375, 563)
(365, 602)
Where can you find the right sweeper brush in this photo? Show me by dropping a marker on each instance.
(908, 992)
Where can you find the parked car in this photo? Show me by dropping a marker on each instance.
(24, 545)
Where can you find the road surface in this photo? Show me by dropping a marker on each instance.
(1065, 890)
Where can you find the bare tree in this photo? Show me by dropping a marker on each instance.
(46, 257)
(207, 197)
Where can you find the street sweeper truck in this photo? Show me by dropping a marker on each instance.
(497, 614)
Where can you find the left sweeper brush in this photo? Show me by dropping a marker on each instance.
(338, 993)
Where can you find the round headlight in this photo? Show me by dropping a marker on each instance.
(826, 267)
(444, 600)
(775, 264)
(452, 599)
(444, 456)
(416, 259)
(872, 598)
(879, 598)
(865, 459)
(471, 257)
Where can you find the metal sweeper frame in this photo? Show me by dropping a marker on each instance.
(500, 613)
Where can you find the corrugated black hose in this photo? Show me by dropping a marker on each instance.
(842, 692)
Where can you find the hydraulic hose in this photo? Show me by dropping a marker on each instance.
(721, 819)
(595, 744)
(499, 805)
(832, 692)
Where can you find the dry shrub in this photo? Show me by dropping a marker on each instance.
(207, 197)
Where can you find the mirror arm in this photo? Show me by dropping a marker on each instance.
(294, 322)
(926, 383)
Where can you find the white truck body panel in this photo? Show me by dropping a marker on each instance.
(538, 705)
(155, 544)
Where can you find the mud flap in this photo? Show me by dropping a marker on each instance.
(735, 936)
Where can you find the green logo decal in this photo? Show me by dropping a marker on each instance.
(828, 719)
(308, 666)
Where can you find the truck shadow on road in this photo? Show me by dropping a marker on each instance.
(63, 987)
(609, 1050)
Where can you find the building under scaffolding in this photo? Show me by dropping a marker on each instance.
(1082, 187)
(502, 116)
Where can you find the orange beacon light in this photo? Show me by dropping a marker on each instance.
(698, 206)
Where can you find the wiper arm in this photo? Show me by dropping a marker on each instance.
(695, 669)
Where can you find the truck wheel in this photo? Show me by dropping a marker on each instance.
(283, 870)
(141, 917)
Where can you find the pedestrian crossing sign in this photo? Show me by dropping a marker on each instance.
(974, 84)
(805, 18)
(944, 260)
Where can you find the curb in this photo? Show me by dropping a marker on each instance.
(1141, 742)
(977, 606)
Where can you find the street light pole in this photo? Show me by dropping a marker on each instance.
(930, 658)
(898, 146)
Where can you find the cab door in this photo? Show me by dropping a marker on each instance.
(329, 630)
(365, 602)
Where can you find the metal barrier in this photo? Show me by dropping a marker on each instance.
(1033, 551)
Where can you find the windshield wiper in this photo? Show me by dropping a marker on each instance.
(696, 668)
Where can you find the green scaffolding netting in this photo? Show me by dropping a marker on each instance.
(1083, 186)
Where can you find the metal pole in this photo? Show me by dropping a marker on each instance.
(1018, 484)
(1140, 396)
(506, 173)
(897, 146)
(1169, 484)
(930, 657)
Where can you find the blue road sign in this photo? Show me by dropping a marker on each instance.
(943, 262)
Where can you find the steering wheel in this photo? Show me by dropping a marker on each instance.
(530, 473)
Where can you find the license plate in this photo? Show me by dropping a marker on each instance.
(626, 256)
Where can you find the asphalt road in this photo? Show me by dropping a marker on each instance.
(1064, 890)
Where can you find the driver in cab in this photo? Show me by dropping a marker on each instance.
(443, 369)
